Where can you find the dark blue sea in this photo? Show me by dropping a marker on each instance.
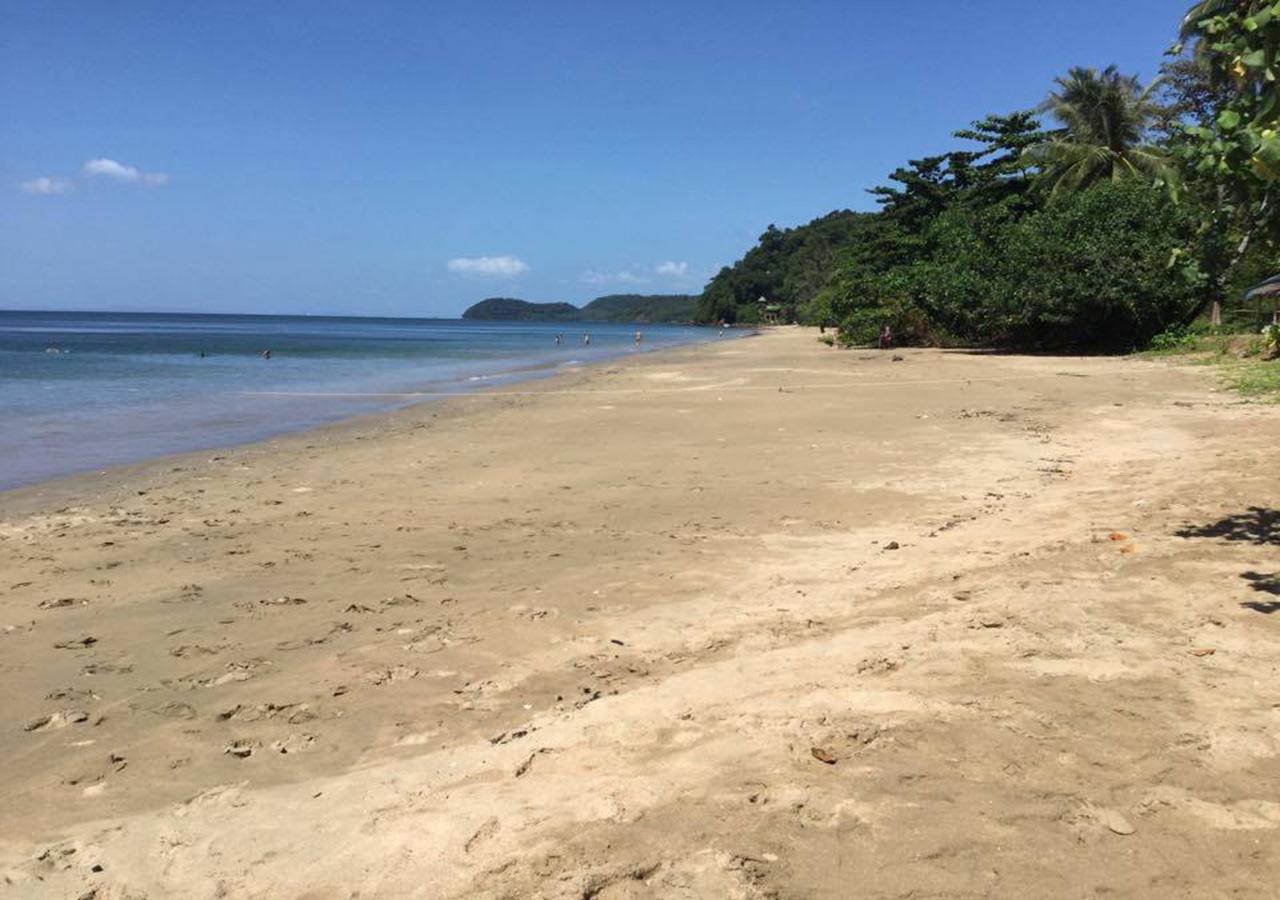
(80, 391)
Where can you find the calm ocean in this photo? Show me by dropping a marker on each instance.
(79, 391)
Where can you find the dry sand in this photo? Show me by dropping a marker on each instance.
(757, 619)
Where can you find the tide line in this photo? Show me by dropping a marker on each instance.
(596, 392)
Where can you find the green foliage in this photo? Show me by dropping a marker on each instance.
(1271, 338)
(1239, 43)
(1172, 339)
(1105, 117)
(637, 308)
(641, 308)
(509, 309)
(1117, 229)
(1091, 270)
(787, 267)
(1097, 269)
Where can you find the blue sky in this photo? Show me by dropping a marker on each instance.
(410, 158)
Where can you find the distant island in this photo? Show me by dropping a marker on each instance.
(639, 308)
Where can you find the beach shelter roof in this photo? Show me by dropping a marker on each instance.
(1268, 288)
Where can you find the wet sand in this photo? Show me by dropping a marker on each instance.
(754, 619)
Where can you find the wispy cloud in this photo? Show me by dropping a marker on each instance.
(44, 185)
(672, 269)
(626, 276)
(489, 266)
(48, 185)
(109, 168)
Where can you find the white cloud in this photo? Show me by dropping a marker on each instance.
(626, 276)
(674, 269)
(489, 266)
(45, 185)
(109, 168)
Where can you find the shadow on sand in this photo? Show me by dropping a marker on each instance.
(1257, 525)
(1268, 583)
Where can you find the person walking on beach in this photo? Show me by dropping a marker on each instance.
(886, 338)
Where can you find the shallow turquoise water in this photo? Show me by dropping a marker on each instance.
(79, 391)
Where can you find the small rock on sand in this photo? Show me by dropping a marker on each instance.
(1114, 821)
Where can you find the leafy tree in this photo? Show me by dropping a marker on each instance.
(1002, 169)
(1105, 118)
(1226, 137)
(873, 286)
(927, 187)
(1239, 42)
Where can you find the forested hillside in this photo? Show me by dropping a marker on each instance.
(509, 309)
(641, 308)
(638, 308)
(786, 267)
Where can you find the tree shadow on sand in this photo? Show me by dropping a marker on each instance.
(1257, 525)
(1268, 583)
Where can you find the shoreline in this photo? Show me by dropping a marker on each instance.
(694, 624)
(26, 498)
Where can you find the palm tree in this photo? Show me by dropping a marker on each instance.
(1105, 117)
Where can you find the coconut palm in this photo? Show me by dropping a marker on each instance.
(1104, 117)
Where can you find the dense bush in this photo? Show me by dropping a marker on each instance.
(1175, 337)
(1098, 269)
(1094, 269)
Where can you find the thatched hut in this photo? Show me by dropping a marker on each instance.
(1263, 291)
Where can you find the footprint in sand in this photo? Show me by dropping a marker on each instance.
(60, 719)
(71, 693)
(294, 713)
(389, 676)
(184, 651)
(241, 749)
(106, 669)
(294, 743)
(61, 603)
(175, 710)
(283, 601)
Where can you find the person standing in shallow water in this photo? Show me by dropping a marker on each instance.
(558, 338)
(639, 338)
(586, 340)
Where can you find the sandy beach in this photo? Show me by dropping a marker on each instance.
(752, 619)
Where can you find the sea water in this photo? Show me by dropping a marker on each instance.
(80, 391)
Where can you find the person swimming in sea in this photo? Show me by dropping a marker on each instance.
(266, 354)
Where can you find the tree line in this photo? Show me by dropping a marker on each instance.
(1111, 213)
